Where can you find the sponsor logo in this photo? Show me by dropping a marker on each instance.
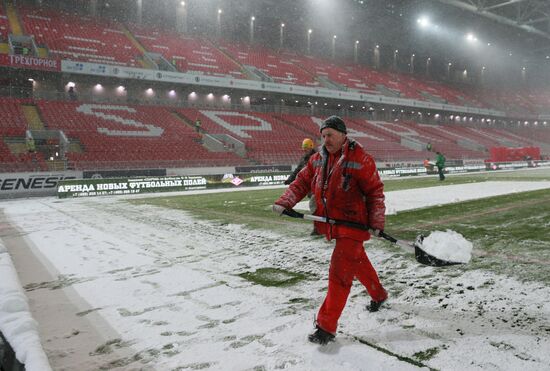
(31, 182)
(237, 181)
(21, 60)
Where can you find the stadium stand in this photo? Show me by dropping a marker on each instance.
(540, 99)
(516, 101)
(267, 139)
(13, 150)
(187, 54)
(279, 67)
(386, 82)
(136, 136)
(115, 136)
(334, 73)
(110, 136)
(75, 37)
(4, 24)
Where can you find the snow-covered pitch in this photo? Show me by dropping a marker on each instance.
(123, 286)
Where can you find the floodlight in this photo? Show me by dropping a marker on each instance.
(471, 38)
(423, 21)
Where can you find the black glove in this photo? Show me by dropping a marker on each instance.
(288, 181)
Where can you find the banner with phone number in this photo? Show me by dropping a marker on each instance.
(127, 186)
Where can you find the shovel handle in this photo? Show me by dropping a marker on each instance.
(421, 256)
(387, 237)
(295, 214)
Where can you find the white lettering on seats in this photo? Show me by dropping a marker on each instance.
(149, 130)
(238, 130)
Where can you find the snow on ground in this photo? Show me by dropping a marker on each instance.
(428, 197)
(165, 288)
(16, 322)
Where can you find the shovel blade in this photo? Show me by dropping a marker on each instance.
(427, 259)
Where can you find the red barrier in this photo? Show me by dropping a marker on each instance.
(505, 154)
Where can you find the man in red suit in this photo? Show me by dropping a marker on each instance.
(345, 182)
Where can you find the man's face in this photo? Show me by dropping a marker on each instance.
(333, 139)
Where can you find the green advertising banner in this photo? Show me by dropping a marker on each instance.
(124, 186)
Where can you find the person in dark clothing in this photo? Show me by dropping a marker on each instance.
(440, 163)
(309, 150)
(31, 146)
(198, 125)
(72, 93)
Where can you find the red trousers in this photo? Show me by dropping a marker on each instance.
(348, 261)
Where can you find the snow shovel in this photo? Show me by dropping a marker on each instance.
(421, 256)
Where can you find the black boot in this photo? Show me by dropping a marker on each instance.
(375, 305)
(321, 336)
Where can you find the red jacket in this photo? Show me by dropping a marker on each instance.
(353, 190)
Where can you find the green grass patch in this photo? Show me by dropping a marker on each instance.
(427, 354)
(273, 277)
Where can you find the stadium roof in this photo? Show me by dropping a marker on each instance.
(532, 16)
